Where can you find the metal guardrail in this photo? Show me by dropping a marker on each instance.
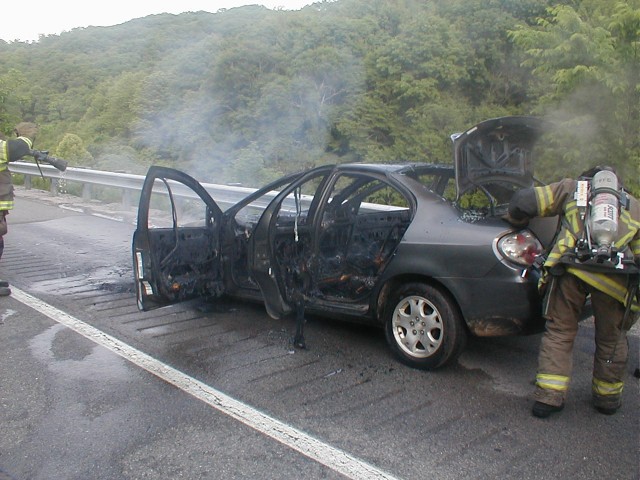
(129, 184)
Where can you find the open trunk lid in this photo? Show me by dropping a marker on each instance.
(498, 150)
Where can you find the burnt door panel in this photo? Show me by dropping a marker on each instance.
(282, 244)
(176, 252)
(240, 222)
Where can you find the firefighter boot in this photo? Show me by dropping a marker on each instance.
(607, 406)
(607, 410)
(606, 396)
(543, 410)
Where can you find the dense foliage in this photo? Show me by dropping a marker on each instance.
(247, 94)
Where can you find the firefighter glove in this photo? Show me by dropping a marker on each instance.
(27, 129)
(515, 222)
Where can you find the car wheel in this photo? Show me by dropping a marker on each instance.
(424, 327)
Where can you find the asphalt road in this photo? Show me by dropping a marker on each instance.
(92, 388)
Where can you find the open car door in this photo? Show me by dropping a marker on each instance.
(282, 243)
(176, 244)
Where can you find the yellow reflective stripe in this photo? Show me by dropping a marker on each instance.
(4, 153)
(605, 388)
(632, 230)
(622, 241)
(566, 242)
(572, 215)
(604, 283)
(544, 196)
(27, 141)
(552, 382)
(553, 258)
(628, 220)
(614, 286)
(6, 204)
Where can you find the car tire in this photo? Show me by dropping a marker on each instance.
(424, 327)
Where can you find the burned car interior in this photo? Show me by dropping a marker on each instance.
(357, 230)
(333, 252)
(348, 240)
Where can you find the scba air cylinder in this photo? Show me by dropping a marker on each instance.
(604, 208)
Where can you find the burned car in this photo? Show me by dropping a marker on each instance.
(394, 245)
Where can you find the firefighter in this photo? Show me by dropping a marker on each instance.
(574, 269)
(11, 150)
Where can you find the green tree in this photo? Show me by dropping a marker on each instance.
(72, 149)
(587, 61)
(12, 95)
(114, 108)
(250, 93)
(414, 92)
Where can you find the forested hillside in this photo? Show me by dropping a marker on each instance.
(247, 94)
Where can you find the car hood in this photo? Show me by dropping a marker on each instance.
(496, 150)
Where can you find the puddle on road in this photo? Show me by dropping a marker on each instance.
(6, 314)
(73, 357)
(116, 279)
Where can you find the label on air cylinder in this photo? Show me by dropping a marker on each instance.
(604, 208)
(582, 193)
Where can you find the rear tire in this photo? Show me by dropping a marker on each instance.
(424, 327)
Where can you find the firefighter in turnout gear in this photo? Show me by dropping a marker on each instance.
(583, 262)
(11, 150)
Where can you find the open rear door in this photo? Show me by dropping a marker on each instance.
(176, 244)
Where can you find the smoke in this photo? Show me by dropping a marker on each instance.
(215, 105)
(581, 137)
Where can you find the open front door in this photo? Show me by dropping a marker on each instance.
(176, 245)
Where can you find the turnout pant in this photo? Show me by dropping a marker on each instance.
(563, 305)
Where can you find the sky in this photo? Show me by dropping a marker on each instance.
(27, 21)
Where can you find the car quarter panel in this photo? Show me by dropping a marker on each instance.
(443, 244)
(494, 296)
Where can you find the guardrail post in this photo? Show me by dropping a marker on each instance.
(86, 191)
(126, 197)
(54, 186)
(27, 182)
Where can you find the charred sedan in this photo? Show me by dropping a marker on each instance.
(419, 249)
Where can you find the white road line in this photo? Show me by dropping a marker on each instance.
(331, 457)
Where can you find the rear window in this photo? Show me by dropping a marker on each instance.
(483, 200)
(488, 199)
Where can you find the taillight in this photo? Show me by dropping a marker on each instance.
(520, 247)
